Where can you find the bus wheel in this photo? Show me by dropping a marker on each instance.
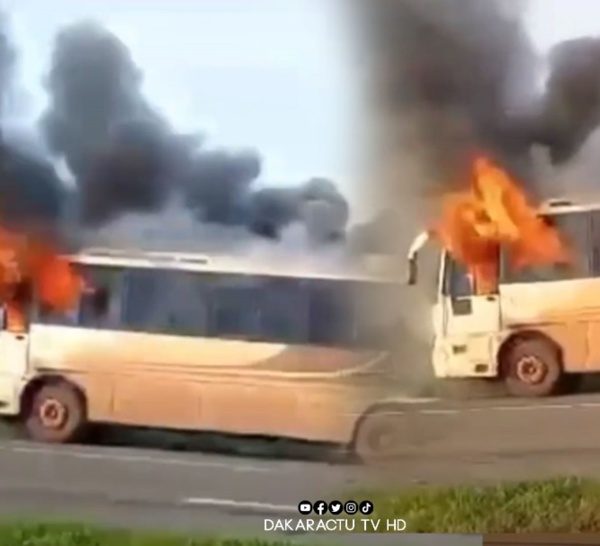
(532, 368)
(55, 414)
(378, 436)
(572, 383)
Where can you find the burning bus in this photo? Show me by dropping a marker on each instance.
(518, 296)
(192, 342)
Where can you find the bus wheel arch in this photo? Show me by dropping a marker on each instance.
(53, 410)
(531, 364)
(377, 433)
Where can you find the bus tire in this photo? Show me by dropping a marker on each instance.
(572, 383)
(377, 436)
(56, 413)
(531, 367)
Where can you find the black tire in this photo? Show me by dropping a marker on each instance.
(572, 383)
(378, 436)
(55, 414)
(532, 368)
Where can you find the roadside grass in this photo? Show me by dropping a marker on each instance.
(551, 506)
(63, 534)
(560, 505)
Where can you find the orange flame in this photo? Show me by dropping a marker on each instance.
(494, 212)
(25, 260)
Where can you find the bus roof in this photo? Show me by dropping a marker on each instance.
(365, 268)
(570, 204)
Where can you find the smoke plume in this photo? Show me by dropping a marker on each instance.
(451, 73)
(454, 76)
(127, 158)
(30, 192)
(570, 108)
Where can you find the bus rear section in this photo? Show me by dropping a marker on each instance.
(539, 330)
(191, 345)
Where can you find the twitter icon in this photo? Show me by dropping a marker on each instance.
(335, 507)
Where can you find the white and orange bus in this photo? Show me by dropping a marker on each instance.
(192, 342)
(539, 331)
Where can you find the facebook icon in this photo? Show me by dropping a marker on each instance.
(320, 507)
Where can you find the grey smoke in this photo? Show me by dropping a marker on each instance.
(450, 72)
(126, 158)
(570, 108)
(459, 76)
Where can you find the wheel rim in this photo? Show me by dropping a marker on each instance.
(53, 413)
(531, 370)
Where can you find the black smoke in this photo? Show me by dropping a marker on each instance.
(30, 192)
(450, 72)
(126, 157)
(570, 108)
(458, 76)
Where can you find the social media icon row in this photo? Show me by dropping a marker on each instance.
(335, 507)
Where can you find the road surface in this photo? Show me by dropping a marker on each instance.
(449, 442)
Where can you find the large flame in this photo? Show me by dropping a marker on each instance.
(26, 261)
(495, 212)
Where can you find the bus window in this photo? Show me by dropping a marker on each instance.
(165, 302)
(331, 315)
(141, 298)
(100, 305)
(283, 310)
(187, 303)
(46, 315)
(575, 229)
(233, 308)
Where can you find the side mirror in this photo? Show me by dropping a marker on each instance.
(413, 272)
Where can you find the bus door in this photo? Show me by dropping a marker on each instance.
(469, 319)
(14, 349)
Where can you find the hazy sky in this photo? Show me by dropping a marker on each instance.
(275, 74)
(552, 21)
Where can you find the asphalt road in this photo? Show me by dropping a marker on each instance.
(446, 442)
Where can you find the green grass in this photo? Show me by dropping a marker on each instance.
(53, 534)
(552, 506)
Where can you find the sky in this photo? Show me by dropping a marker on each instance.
(552, 21)
(278, 75)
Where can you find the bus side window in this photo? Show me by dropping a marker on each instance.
(185, 301)
(100, 305)
(284, 310)
(575, 229)
(331, 316)
(45, 315)
(162, 301)
(142, 290)
(234, 306)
